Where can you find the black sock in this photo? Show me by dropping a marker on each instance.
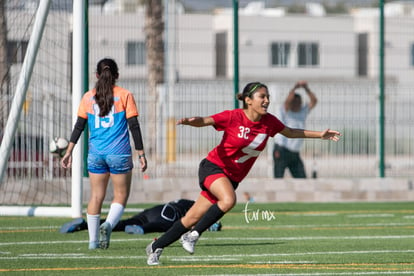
(173, 234)
(210, 217)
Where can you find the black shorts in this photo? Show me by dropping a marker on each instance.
(208, 168)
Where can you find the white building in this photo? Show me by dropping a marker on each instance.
(338, 54)
(399, 41)
(272, 44)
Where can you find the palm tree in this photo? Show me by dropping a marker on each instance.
(4, 81)
(154, 29)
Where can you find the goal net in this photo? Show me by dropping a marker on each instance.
(33, 179)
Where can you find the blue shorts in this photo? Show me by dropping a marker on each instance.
(115, 164)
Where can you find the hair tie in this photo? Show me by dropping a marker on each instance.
(106, 67)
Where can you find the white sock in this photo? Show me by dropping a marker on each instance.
(93, 227)
(115, 213)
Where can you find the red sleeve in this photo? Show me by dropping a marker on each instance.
(277, 125)
(221, 120)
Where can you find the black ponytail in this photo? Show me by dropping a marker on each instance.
(107, 71)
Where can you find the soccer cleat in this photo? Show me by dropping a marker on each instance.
(104, 235)
(153, 256)
(188, 240)
(134, 229)
(93, 245)
(72, 226)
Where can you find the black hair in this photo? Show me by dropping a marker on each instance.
(107, 71)
(298, 96)
(248, 91)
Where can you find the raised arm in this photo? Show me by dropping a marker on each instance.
(291, 96)
(311, 95)
(196, 121)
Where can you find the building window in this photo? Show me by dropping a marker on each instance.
(308, 54)
(221, 54)
(412, 55)
(16, 51)
(135, 53)
(363, 54)
(280, 53)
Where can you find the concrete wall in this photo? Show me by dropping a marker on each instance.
(283, 190)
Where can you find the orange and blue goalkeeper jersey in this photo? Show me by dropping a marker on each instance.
(109, 134)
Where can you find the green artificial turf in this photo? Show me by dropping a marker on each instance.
(267, 239)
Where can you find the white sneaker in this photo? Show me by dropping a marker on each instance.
(188, 240)
(153, 256)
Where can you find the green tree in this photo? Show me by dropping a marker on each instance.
(4, 78)
(154, 29)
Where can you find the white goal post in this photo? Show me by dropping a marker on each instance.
(33, 211)
(78, 88)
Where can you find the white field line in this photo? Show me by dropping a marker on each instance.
(320, 214)
(247, 225)
(127, 210)
(336, 238)
(370, 215)
(50, 227)
(204, 258)
(392, 224)
(367, 215)
(330, 214)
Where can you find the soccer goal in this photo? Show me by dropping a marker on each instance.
(41, 80)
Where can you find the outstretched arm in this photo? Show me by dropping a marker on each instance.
(303, 133)
(196, 121)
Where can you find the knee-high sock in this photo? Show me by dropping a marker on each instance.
(93, 227)
(173, 234)
(115, 213)
(210, 217)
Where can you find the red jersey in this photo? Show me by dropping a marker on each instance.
(242, 141)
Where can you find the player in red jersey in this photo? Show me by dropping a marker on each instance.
(246, 132)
